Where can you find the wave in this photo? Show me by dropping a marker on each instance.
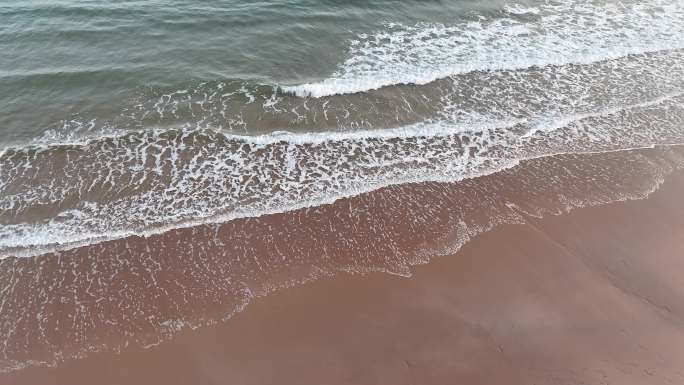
(151, 181)
(247, 108)
(558, 33)
(175, 158)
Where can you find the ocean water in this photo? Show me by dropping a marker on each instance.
(153, 151)
(122, 118)
(93, 59)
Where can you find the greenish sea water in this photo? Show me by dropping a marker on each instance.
(62, 58)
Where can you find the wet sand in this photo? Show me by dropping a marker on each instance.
(595, 296)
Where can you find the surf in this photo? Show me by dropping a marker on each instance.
(571, 32)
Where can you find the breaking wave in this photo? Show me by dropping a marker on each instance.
(556, 33)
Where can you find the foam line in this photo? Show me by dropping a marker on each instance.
(155, 181)
(559, 33)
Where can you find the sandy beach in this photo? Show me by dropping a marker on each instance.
(593, 296)
(223, 192)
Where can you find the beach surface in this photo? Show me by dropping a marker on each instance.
(327, 192)
(594, 296)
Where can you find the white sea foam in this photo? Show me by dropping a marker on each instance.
(519, 9)
(151, 181)
(561, 33)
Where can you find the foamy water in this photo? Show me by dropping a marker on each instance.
(576, 32)
(150, 180)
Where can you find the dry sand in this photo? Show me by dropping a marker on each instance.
(591, 297)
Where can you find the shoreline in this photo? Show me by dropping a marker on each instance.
(346, 288)
(220, 219)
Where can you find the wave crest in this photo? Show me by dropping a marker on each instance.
(572, 32)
